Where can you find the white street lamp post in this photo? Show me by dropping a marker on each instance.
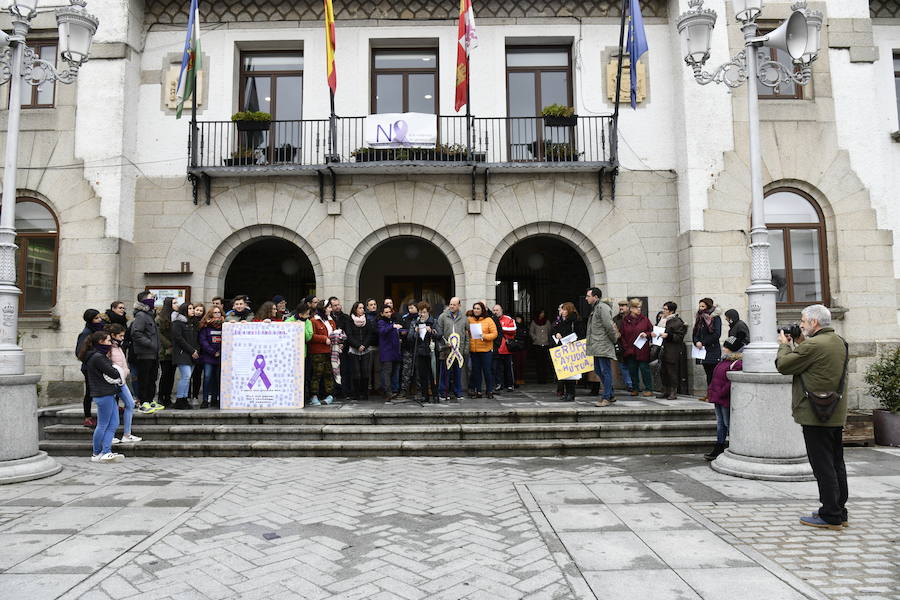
(20, 459)
(765, 443)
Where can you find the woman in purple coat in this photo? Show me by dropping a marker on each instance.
(389, 352)
(720, 393)
(635, 326)
(211, 355)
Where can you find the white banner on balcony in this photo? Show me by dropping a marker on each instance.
(401, 130)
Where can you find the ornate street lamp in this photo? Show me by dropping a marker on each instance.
(764, 444)
(20, 459)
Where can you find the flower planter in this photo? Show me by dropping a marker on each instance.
(241, 161)
(252, 125)
(561, 121)
(887, 427)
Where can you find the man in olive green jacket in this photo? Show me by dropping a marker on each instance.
(821, 361)
(601, 342)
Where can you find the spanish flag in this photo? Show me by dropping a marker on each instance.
(467, 40)
(329, 45)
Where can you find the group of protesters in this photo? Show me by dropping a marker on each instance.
(401, 355)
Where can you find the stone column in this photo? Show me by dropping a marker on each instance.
(20, 458)
(765, 443)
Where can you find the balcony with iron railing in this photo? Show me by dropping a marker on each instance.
(496, 143)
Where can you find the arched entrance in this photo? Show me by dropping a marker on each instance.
(407, 268)
(268, 266)
(540, 273)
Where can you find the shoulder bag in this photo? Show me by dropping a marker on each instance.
(825, 403)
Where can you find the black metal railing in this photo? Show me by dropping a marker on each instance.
(489, 140)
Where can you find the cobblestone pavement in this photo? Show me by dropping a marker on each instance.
(442, 528)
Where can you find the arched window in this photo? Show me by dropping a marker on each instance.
(37, 235)
(797, 253)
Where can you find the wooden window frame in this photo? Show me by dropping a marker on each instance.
(244, 75)
(786, 228)
(22, 240)
(405, 72)
(773, 55)
(36, 46)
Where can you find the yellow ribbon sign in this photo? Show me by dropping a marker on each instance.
(570, 360)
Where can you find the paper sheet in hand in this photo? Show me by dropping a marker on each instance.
(640, 342)
(421, 327)
(568, 339)
(657, 336)
(698, 353)
(475, 329)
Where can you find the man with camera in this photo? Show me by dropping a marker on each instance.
(819, 405)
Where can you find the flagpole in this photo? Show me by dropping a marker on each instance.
(194, 131)
(332, 123)
(469, 152)
(614, 145)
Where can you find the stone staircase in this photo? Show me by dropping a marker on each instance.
(390, 430)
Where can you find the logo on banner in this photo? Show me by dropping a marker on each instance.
(260, 373)
(401, 130)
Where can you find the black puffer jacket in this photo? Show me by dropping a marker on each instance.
(738, 329)
(96, 366)
(144, 333)
(568, 327)
(366, 335)
(184, 340)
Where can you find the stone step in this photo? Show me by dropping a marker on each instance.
(327, 432)
(368, 448)
(408, 415)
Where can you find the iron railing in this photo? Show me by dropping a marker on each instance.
(489, 140)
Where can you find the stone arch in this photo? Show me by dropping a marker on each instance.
(380, 236)
(231, 246)
(565, 233)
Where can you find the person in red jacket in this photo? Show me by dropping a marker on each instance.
(720, 393)
(635, 327)
(320, 352)
(503, 366)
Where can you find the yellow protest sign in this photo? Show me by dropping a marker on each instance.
(570, 360)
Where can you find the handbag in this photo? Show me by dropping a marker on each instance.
(515, 345)
(825, 403)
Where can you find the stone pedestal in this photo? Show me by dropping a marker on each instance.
(765, 441)
(20, 458)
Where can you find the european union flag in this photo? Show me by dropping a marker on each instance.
(637, 44)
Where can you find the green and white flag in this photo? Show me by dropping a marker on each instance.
(190, 64)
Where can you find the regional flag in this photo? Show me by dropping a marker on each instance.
(467, 41)
(329, 45)
(637, 44)
(191, 62)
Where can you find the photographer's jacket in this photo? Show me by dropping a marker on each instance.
(820, 359)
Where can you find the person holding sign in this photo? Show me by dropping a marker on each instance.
(570, 325)
(636, 330)
(453, 328)
(481, 349)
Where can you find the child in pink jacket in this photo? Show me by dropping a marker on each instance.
(720, 393)
(117, 356)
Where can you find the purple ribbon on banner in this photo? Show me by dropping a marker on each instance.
(260, 365)
(401, 128)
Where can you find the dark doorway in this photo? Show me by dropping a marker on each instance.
(407, 268)
(540, 273)
(268, 267)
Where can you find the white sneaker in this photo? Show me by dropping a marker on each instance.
(111, 457)
(116, 440)
(95, 457)
(130, 438)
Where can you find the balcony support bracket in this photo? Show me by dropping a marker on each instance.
(197, 180)
(486, 172)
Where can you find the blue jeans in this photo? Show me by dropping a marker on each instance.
(454, 373)
(723, 422)
(128, 401)
(107, 423)
(390, 376)
(183, 389)
(211, 377)
(481, 365)
(626, 375)
(603, 368)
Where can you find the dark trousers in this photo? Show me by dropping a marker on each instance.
(166, 380)
(481, 367)
(424, 377)
(541, 362)
(639, 371)
(196, 381)
(824, 447)
(147, 369)
(347, 385)
(669, 374)
(87, 400)
(709, 369)
(503, 370)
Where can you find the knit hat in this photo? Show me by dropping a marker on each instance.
(89, 315)
(732, 345)
(278, 298)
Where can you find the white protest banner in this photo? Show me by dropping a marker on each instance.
(262, 365)
(401, 130)
(571, 359)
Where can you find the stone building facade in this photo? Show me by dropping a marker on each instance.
(109, 159)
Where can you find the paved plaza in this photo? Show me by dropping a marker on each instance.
(660, 527)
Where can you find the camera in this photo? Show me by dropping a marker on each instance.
(792, 331)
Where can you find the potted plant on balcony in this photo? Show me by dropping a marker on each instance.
(241, 158)
(284, 153)
(557, 115)
(560, 151)
(252, 120)
(883, 382)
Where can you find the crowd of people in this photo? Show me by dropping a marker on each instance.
(395, 355)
